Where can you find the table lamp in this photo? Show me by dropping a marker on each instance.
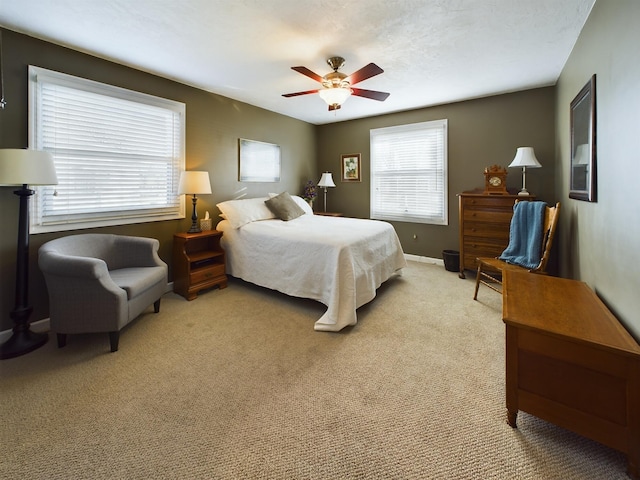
(525, 157)
(194, 183)
(326, 181)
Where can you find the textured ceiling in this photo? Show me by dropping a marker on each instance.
(432, 51)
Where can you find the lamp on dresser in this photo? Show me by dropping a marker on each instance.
(525, 157)
(194, 183)
(24, 167)
(326, 181)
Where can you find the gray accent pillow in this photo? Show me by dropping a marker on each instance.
(284, 207)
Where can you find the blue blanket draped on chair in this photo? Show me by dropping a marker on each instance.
(525, 235)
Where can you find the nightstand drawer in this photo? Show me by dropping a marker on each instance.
(205, 274)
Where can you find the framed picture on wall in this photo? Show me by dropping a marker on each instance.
(258, 161)
(583, 144)
(351, 167)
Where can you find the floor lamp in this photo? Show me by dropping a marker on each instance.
(24, 167)
(326, 181)
(194, 183)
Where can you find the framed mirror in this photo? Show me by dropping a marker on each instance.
(583, 144)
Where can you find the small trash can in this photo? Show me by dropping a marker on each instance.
(451, 260)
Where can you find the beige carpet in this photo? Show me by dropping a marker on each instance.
(238, 385)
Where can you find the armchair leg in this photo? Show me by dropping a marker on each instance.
(62, 339)
(156, 306)
(114, 338)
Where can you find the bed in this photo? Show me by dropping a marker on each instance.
(337, 261)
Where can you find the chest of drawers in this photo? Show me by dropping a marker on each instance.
(484, 226)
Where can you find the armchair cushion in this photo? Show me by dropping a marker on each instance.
(136, 280)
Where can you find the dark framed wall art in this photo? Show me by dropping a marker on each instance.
(583, 144)
(351, 167)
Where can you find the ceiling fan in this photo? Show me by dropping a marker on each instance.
(336, 86)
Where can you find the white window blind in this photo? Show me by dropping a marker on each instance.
(118, 153)
(409, 173)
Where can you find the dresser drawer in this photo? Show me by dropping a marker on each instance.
(485, 230)
(484, 250)
(205, 274)
(488, 201)
(499, 216)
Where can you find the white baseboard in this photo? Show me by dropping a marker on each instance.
(43, 325)
(416, 258)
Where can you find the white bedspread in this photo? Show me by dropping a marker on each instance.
(339, 262)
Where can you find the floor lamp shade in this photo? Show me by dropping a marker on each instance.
(525, 157)
(24, 167)
(194, 183)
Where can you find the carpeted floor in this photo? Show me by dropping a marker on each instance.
(238, 385)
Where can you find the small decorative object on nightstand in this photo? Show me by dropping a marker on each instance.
(198, 263)
(495, 180)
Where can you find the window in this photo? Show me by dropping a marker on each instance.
(409, 173)
(118, 153)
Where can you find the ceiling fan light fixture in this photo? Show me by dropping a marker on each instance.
(335, 96)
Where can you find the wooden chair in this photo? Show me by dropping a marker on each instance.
(490, 269)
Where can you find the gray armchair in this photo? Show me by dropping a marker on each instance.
(100, 282)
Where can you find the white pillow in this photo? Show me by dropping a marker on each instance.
(302, 204)
(241, 212)
(300, 201)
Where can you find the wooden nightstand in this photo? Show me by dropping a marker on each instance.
(329, 214)
(198, 263)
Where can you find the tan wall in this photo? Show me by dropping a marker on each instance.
(599, 241)
(214, 124)
(482, 132)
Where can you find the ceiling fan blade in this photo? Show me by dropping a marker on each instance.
(365, 72)
(297, 94)
(372, 94)
(335, 106)
(308, 73)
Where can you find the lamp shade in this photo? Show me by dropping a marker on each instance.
(19, 166)
(525, 157)
(194, 183)
(326, 180)
(335, 95)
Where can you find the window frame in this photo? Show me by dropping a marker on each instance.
(442, 169)
(174, 207)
